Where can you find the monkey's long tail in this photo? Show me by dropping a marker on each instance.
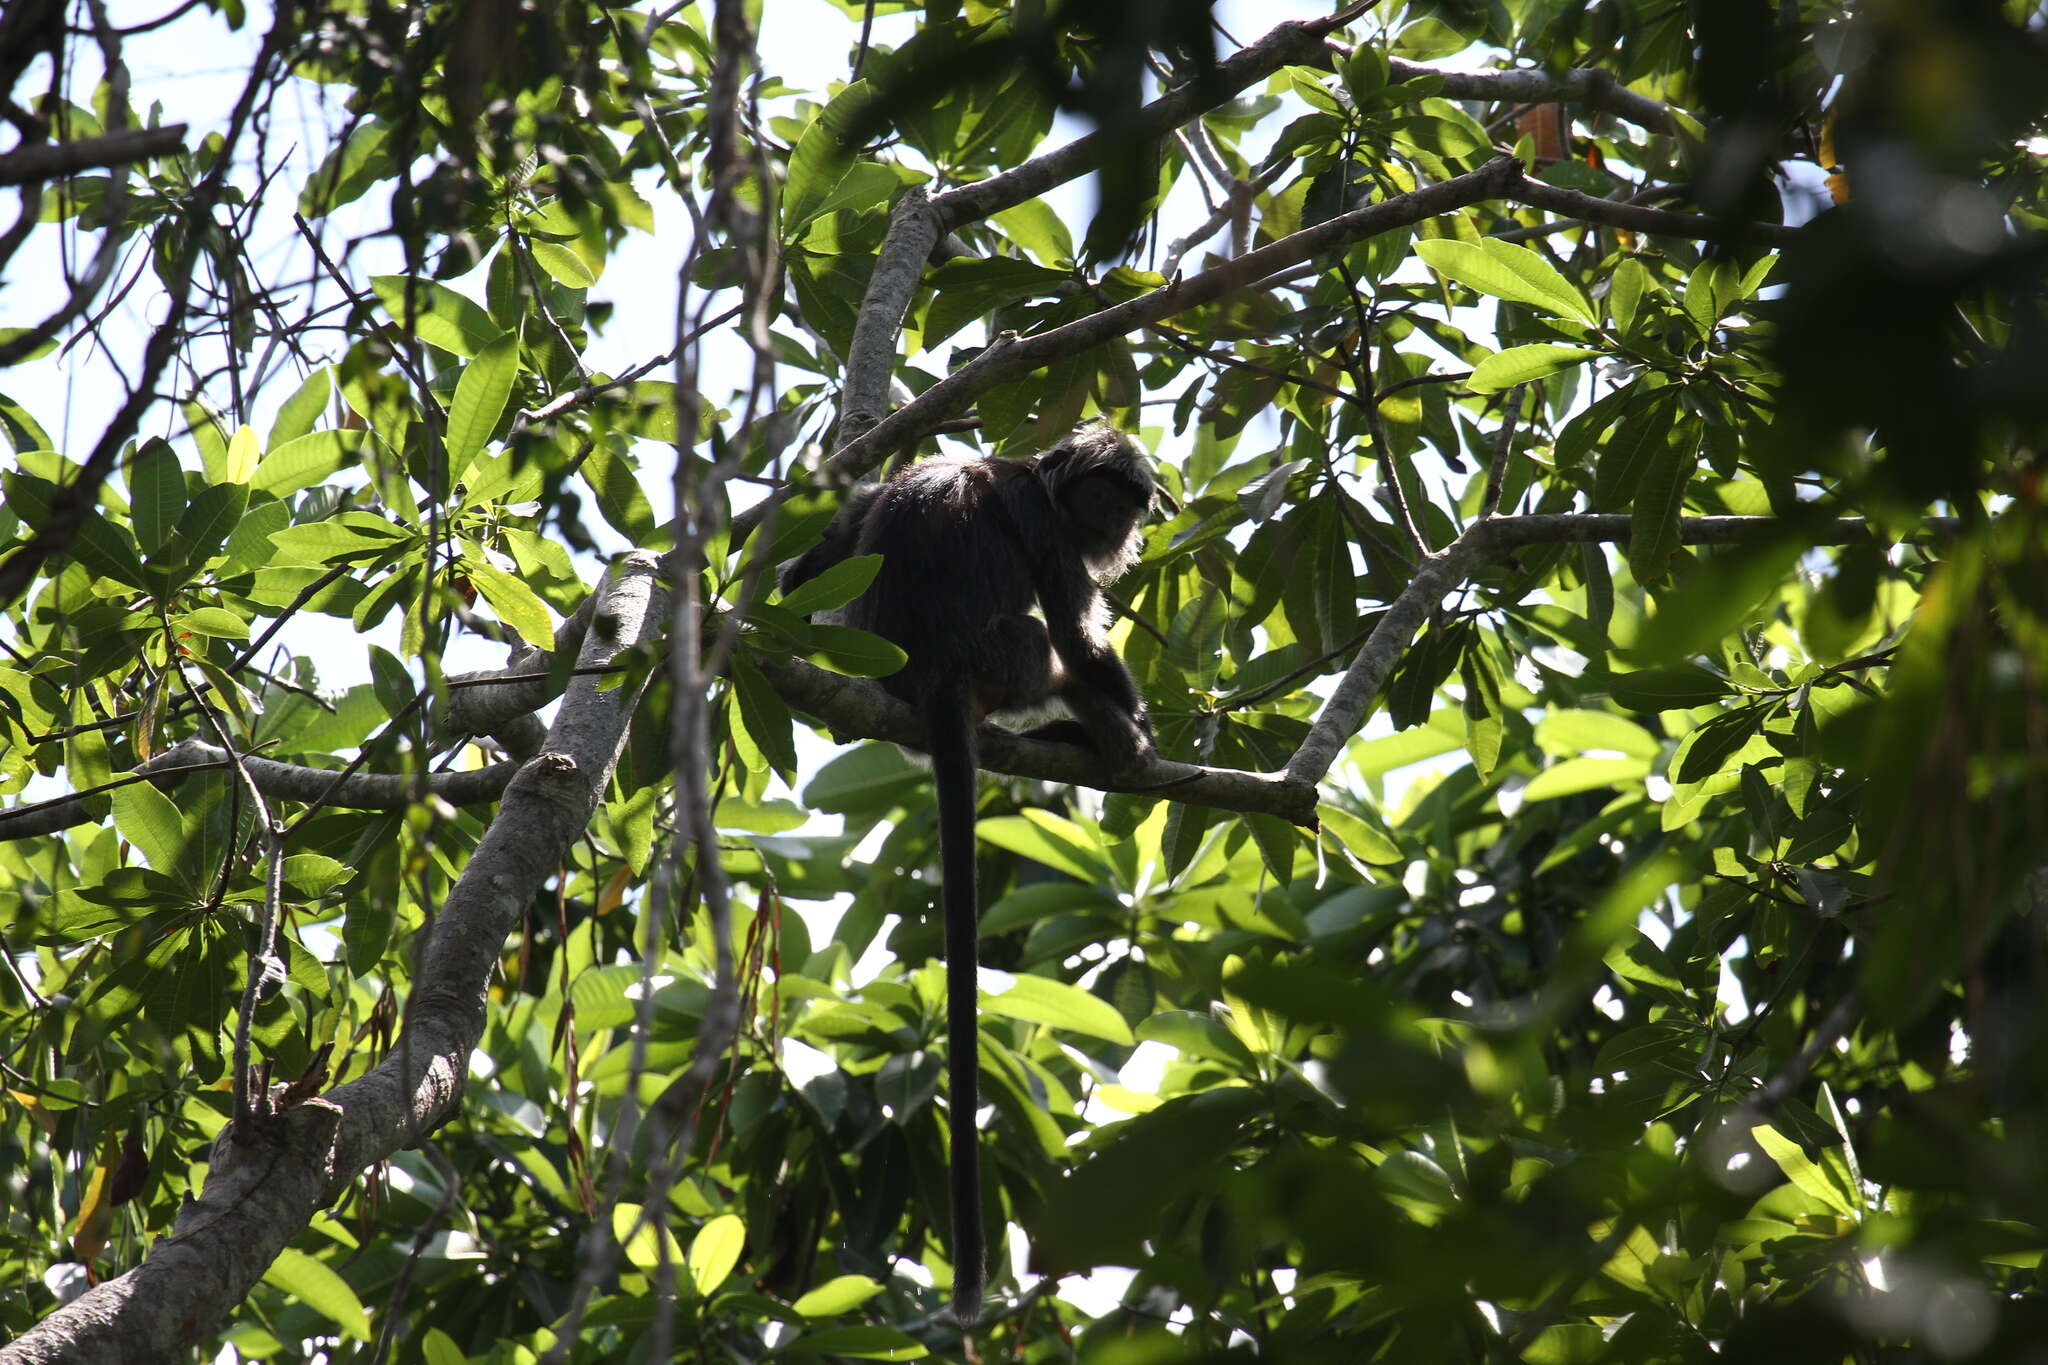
(949, 731)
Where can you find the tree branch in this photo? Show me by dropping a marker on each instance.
(871, 358)
(1448, 569)
(261, 1194)
(50, 160)
(1590, 86)
(914, 421)
(854, 707)
(1637, 218)
(1288, 43)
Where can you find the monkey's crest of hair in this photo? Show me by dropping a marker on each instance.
(1102, 481)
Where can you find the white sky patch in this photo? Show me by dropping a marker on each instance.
(1734, 1000)
(877, 959)
(803, 1063)
(1099, 1292)
(1143, 1072)
(1509, 797)
(653, 985)
(1146, 1067)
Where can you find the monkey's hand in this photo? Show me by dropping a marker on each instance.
(1122, 741)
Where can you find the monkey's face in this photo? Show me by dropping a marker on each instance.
(1101, 512)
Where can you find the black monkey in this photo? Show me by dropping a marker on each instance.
(969, 544)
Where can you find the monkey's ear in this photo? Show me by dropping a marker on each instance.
(1093, 443)
(1052, 465)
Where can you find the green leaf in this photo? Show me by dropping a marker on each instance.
(441, 317)
(765, 715)
(1567, 1343)
(1641, 439)
(208, 521)
(351, 535)
(866, 184)
(821, 158)
(1678, 688)
(243, 453)
(1036, 226)
(862, 1343)
(641, 1248)
(1625, 293)
(1041, 1000)
(867, 778)
(320, 1289)
(107, 551)
(1365, 842)
(1566, 731)
(1519, 364)
(1812, 1177)
(217, 622)
(1705, 750)
(1653, 524)
(361, 160)
(148, 819)
(562, 263)
(970, 288)
(1481, 707)
(855, 653)
(1576, 775)
(1037, 901)
(835, 587)
(840, 1294)
(1507, 271)
(22, 430)
(301, 412)
(616, 483)
(438, 1348)
(315, 874)
(1200, 1035)
(1066, 850)
(517, 605)
(1114, 1200)
(715, 1250)
(479, 400)
(156, 494)
(305, 460)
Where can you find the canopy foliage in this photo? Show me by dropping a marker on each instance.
(1588, 905)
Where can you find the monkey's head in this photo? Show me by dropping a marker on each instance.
(1101, 484)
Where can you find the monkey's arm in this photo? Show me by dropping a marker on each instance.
(1096, 686)
(841, 538)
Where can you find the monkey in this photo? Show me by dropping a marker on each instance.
(969, 545)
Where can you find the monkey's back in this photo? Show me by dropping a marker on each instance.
(954, 534)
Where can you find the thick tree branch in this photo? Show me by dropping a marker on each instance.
(1637, 218)
(1590, 86)
(49, 160)
(852, 707)
(871, 359)
(1288, 43)
(260, 1194)
(915, 420)
(277, 781)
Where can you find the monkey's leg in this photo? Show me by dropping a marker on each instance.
(1014, 667)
